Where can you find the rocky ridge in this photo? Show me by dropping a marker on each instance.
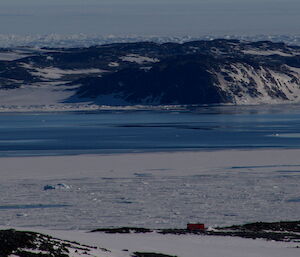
(286, 231)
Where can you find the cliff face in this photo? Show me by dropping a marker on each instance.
(199, 72)
(261, 83)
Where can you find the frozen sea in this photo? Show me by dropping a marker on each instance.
(83, 170)
(203, 128)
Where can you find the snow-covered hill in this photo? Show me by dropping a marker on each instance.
(146, 73)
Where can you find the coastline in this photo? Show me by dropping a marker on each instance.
(87, 105)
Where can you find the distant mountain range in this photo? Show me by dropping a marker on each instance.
(146, 73)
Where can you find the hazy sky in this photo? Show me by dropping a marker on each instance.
(150, 17)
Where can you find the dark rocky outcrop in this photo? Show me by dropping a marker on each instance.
(31, 244)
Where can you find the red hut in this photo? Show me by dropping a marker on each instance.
(195, 227)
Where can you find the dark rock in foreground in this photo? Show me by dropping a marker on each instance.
(31, 244)
(11, 241)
